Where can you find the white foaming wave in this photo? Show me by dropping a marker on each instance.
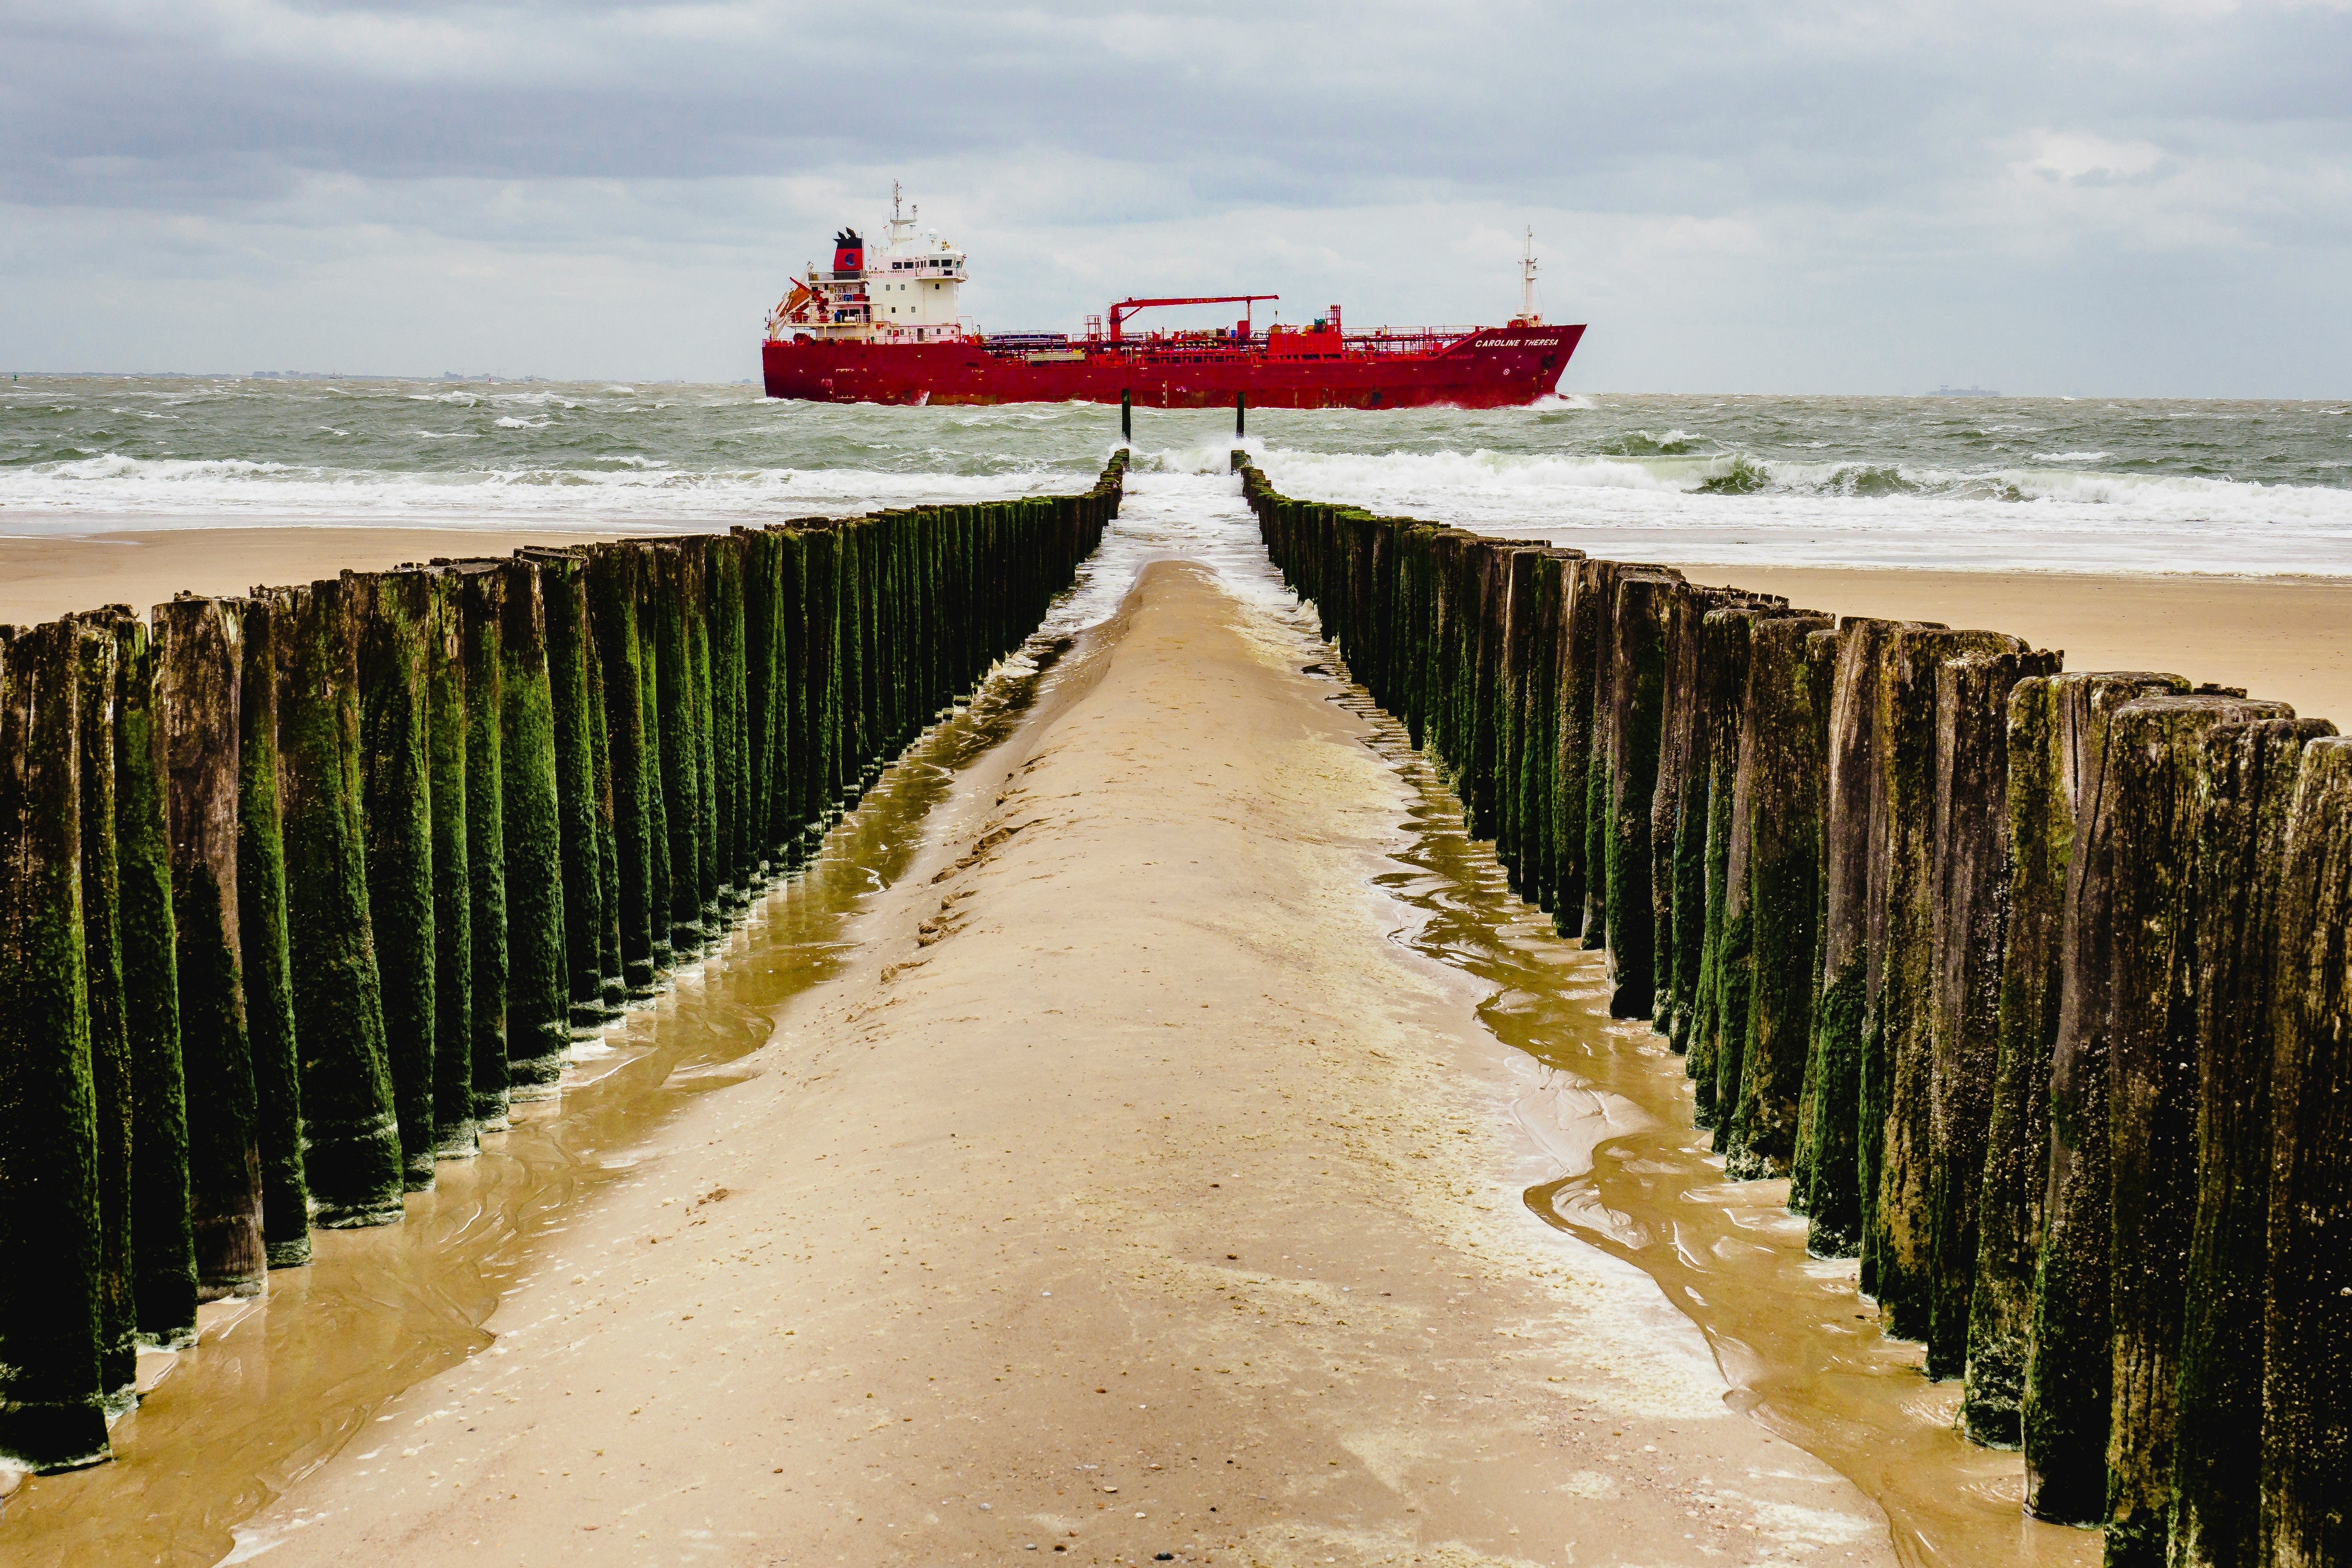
(1553, 403)
(1849, 513)
(111, 491)
(1410, 472)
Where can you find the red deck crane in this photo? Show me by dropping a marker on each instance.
(1126, 308)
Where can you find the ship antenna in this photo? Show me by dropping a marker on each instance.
(1527, 279)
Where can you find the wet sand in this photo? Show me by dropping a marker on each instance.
(1130, 1193)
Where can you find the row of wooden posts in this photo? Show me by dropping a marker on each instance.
(300, 890)
(2032, 982)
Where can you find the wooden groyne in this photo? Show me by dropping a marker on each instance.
(2033, 983)
(299, 892)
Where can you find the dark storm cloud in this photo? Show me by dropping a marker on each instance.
(1719, 104)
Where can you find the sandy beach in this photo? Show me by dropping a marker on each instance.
(1130, 1187)
(1130, 1194)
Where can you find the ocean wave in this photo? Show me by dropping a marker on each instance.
(1740, 473)
(111, 490)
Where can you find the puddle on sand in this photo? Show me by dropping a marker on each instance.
(1609, 1103)
(276, 1387)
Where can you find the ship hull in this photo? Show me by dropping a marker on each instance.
(1500, 367)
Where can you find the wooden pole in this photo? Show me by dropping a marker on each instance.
(263, 943)
(1970, 856)
(2241, 846)
(51, 1417)
(1896, 1150)
(1776, 839)
(395, 611)
(2107, 1078)
(538, 1014)
(98, 706)
(352, 1158)
(2307, 1315)
(2056, 744)
(456, 1135)
(207, 1049)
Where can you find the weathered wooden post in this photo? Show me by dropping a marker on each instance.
(2308, 1317)
(674, 586)
(97, 707)
(2056, 748)
(273, 1101)
(1644, 610)
(1777, 778)
(615, 592)
(1678, 816)
(203, 1059)
(538, 1011)
(1828, 1170)
(650, 576)
(1969, 851)
(1127, 414)
(2242, 844)
(1896, 1152)
(353, 1158)
(457, 1135)
(563, 594)
(1240, 414)
(2163, 789)
(50, 1418)
(481, 603)
(612, 992)
(1718, 1001)
(394, 611)
(2109, 1147)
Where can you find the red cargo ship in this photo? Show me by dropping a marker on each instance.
(884, 328)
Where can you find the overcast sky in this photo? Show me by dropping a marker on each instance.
(1748, 195)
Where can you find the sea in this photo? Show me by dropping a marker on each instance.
(1988, 484)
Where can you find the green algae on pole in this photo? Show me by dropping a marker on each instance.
(208, 1059)
(393, 614)
(51, 1417)
(456, 1133)
(353, 1159)
(1829, 1161)
(263, 947)
(1778, 782)
(1643, 611)
(1896, 1151)
(563, 597)
(1970, 859)
(615, 590)
(2162, 788)
(2242, 841)
(2100, 1083)
(1718, 993)
(97, 705)
(481, 612)
(2057, 746)
(538, 1011)
(675, 589)
(2308, 1314)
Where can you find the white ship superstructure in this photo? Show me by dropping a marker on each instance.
(911, 292)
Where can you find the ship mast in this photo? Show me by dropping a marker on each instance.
(1528, 316)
